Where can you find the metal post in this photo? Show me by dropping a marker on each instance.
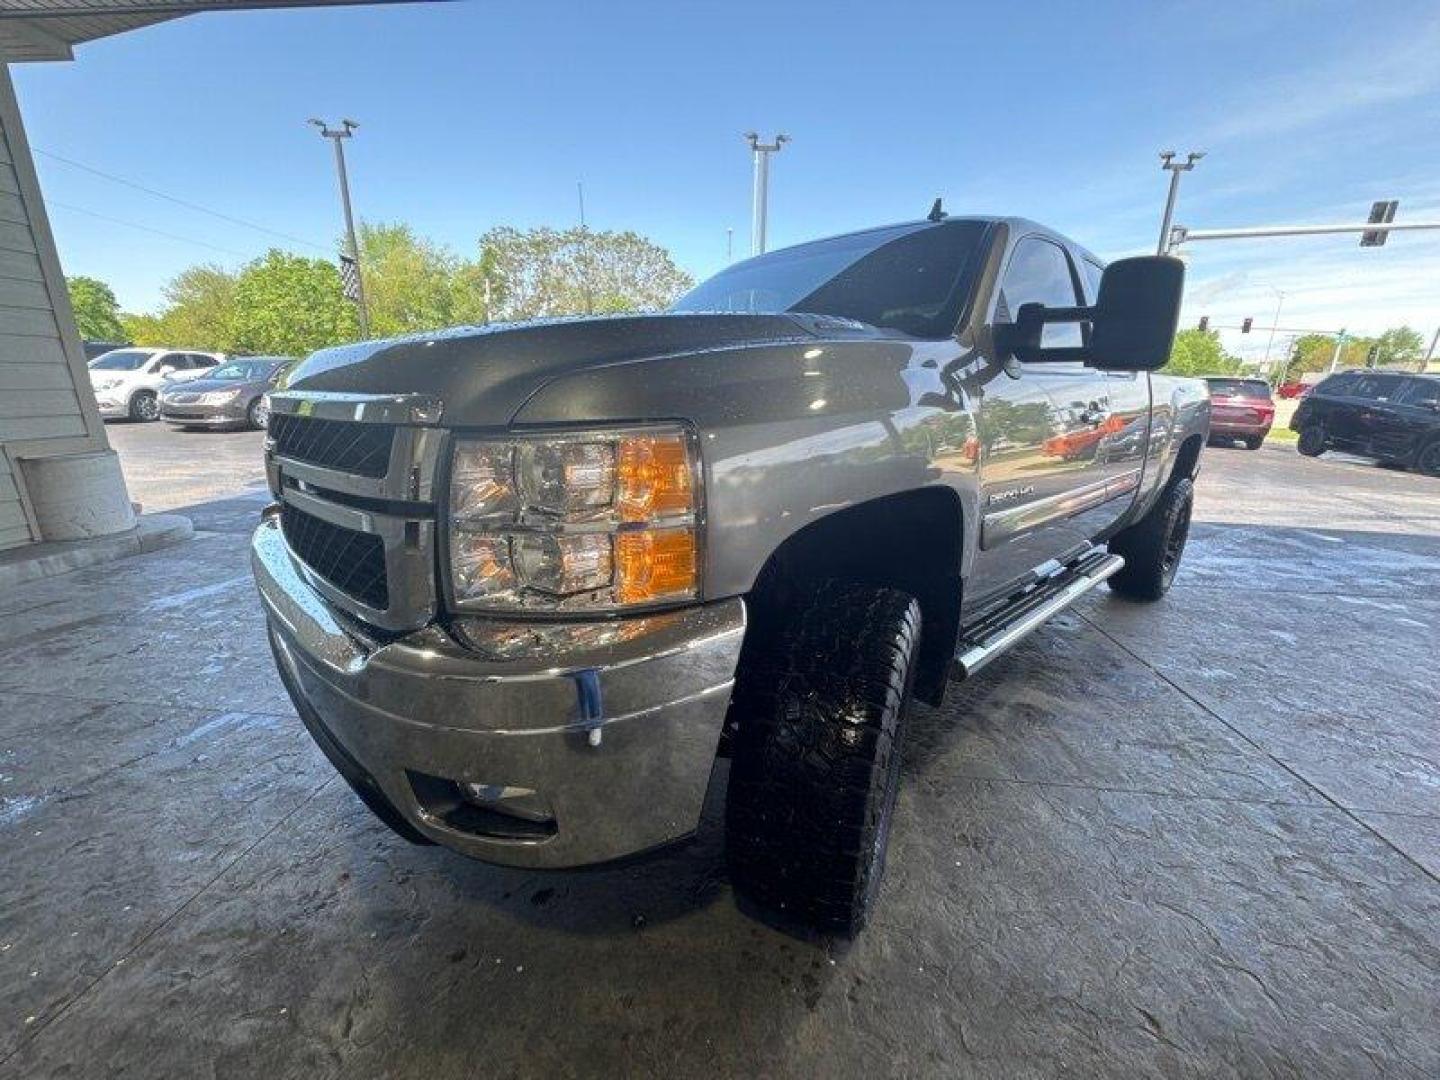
(580, 190)
(1273, 327)
(1430, 352)
(335, 135)
(761, 194)
(1339, 348)
(1174, 168)
(729, 246)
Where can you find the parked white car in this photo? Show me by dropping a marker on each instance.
(127, 382)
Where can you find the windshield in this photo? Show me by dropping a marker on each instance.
(1247, 388)
(121, 360)
(246, 370)
(911, 278)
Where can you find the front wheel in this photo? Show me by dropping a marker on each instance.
(1312, 440)
(144, 406)
(1152, 547)
(820, 704)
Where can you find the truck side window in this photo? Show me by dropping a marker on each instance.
(1039, 273)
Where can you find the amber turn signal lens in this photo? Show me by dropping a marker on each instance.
(653, 480)
(655, 564)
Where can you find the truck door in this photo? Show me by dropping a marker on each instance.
(1041, 486)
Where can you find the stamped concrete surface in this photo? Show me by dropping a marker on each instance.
(1198, 838)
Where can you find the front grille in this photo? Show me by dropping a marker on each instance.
(343, 445)
(354, 562)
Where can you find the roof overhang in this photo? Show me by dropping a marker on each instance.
(49, 29)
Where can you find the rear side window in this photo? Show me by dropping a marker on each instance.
(1337, 385)
(1374, 388)
(1039, 273)
(1421, 392)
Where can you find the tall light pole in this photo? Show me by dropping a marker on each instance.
(760, 209)
(335, 135)
(1174, 168)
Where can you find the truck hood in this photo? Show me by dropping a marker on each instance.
(484, 374)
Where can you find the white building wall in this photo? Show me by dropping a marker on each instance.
(59, 480)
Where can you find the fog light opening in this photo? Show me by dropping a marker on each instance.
(489, 811)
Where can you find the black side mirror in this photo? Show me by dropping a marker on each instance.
(1132, 325)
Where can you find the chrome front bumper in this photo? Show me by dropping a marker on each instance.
(618, 739)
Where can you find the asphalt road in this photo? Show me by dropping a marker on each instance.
(1194, 838)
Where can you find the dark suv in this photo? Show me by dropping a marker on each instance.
(1387, 415)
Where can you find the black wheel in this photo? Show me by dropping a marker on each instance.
(144, 406)
(1312, 440)
(1152, 547)
(1427, 458)
(258, 414)
(820, 705)
(1253, 442)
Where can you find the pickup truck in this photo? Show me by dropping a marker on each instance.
(527, 584)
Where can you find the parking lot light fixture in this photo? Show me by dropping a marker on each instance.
(335, 135)
(1174, 168)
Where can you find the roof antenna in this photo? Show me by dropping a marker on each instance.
(936, 213)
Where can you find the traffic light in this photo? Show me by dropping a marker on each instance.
(1245, 326)
(1381, 213)
(1204, 323)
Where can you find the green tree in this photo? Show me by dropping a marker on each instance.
(1198, 352)
(200, 309)
(539, 272)
(97, 312)
(409, 281)
(290, 305)
(1314, 352)
(1400, 345)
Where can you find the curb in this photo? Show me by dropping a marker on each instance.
(35, 561)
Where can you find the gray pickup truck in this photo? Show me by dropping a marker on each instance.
(528, 583)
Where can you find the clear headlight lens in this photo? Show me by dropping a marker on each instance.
(590, 521)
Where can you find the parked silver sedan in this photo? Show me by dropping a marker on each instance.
(233, 395)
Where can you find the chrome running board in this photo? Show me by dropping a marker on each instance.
(1016, 618)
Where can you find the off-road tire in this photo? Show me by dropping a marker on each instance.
(1254, 442)
(1152, 547)
(1312, 441)
(820, 705)
(144, 406)
(1427, 458)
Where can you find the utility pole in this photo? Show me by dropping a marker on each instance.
(1279, 303)
(335, 135)
(761, 199)
(1174, 168)
(1339, 348)
(1430, 352)
(580, 189)
(729, 246)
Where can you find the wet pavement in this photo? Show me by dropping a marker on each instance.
(1198, 838)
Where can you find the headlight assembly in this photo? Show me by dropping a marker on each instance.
(218, 397)
(590, 521)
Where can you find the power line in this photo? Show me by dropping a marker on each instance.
(147, 228)
(176, 199)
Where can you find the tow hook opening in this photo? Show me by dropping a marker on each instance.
(491, 811)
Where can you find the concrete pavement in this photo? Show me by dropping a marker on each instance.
(1194, 838)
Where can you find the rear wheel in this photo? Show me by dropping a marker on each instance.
(1312, 440)
(820, 705)
(1152, 547)
(1427, 459)
(144, 405)
(1253, 442)
(258, 414)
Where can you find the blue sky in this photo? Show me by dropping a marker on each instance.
(475, 114)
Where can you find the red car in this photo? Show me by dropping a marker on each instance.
(1240, 409)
